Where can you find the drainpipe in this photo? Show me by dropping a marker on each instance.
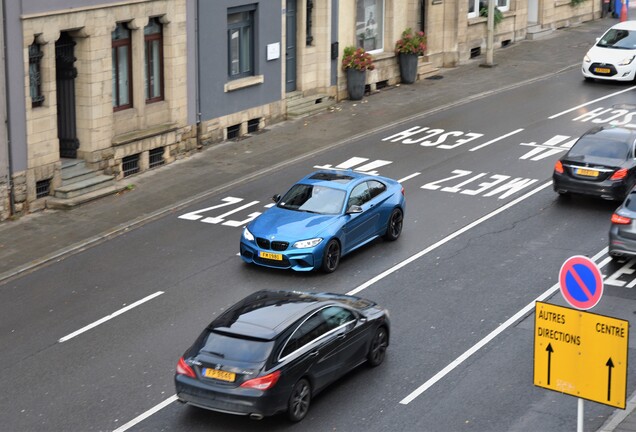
(7, 119)
(197, 72)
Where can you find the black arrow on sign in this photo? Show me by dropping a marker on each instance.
(610, 365)
(550, 351)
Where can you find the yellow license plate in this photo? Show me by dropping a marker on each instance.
(587, 172)
(219, 374)
(269, 255)
(601, 70)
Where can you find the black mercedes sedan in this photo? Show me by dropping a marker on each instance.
(600, 163)
(275, 350)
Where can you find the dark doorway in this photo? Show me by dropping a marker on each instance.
(290, 48)
(65, 74)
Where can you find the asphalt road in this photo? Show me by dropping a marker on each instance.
(484, 237)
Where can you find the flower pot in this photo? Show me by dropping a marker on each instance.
(356, 80)
(408, 67)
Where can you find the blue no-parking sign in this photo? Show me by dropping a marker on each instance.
(581, 282)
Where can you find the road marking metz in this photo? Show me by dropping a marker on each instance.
(502, 184)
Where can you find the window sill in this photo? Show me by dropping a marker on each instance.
(243, 82)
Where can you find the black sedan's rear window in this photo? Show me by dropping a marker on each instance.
(591, 146)
(236, 348)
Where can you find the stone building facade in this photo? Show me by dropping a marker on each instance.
(125, 86)
(76, 108)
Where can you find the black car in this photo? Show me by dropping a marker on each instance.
(622, 234)
(600, 163)
(275, 350)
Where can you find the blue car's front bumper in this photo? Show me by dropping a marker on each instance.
(296, 259)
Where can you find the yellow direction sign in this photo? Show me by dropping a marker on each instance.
(581, 354)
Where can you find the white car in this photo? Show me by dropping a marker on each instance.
(613, 55)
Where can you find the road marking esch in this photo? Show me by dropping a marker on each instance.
(591, 102)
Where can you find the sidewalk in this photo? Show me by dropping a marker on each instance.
(48, 236)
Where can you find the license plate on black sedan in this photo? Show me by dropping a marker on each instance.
(271, 256)
(219, 374)
(587, 172)
(602, 70)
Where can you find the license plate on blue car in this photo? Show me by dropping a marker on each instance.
(271, 256)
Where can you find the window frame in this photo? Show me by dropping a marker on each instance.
(370, 29)
(246, 60)
(116, 44)
(149, 41)
(35, 74)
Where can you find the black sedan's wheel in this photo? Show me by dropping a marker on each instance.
(394, 227)
(331, 258)
(299, 401)
(377, 350)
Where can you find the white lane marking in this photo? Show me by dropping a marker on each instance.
(459, 360)
(147, 414)
(447, 239)
(591, 102)
(111, 316)
(496, 139)
(409, 177)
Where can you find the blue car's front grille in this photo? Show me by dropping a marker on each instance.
(279, 245)
(263, 243)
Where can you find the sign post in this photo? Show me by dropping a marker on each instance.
(577, 352)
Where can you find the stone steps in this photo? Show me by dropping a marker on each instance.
(535, 32)
(301, 106)
(81, 184)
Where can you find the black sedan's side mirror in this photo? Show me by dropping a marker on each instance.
(354, 209)
(276, 198)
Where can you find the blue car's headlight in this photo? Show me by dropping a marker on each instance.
(303, 244)
(247, 235)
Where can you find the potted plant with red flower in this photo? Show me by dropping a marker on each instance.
(411, 45)
(356, 62)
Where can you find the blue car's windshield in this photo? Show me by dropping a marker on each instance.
(313, 199)
(620, 39)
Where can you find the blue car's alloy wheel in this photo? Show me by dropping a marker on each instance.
(394, 228)
(331, 258)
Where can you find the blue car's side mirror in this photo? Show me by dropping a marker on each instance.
(276, 198)
(354, 209)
